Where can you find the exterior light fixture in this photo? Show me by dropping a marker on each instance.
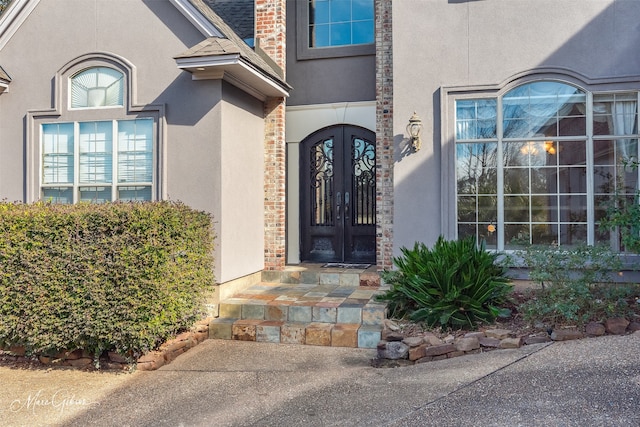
(414, 128)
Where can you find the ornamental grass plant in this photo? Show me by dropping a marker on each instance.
(456, 284)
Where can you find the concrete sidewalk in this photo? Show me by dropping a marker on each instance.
(591, 382)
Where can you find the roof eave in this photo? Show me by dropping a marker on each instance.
(234, 69)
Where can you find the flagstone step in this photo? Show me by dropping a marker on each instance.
(366, 276)
(312, 314)
(312, 333)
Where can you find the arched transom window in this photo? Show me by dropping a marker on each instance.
(97, 87)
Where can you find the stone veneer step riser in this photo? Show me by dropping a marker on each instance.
(368, 279)
(314, 333)
(370, 314)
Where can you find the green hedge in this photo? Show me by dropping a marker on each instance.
(121, 276)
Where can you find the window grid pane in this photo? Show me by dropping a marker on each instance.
(340, 22)
(135, 151)
(543, 174)
(95, 152)
(95, 157)
(57, 147)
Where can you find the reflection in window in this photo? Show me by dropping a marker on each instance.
(532, 180)
(78, 161)
(340, 22)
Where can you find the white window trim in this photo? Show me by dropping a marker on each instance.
(61, 113)
(76, 185)
(449, 96)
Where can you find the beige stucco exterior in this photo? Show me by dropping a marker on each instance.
(209, 134)
(441, 48)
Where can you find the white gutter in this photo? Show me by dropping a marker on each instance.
(195, 17)
(234, 70)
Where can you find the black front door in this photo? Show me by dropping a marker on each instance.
(338, 195)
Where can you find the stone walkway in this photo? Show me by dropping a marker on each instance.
(333, 310)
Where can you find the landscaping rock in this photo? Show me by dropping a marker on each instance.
(467, 344)
(116, 358)
(616, 325)
(476, 334)
(489, 342)
(413, 341)
(455, 354)
(498, 333)
(17, 350)
(510, 343)
(437, 350)
(79, 363)
(566, 335)
(536, 339)
(417, 353)
(431, 339)
(394, 350)
(633, 327)
(391, 325)
(389, 335)
(595, 329)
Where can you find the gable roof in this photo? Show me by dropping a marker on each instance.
(239, 14)
(222, 55)
(229, 57)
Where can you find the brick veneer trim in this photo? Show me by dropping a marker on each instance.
(384, 135)
(270, 23)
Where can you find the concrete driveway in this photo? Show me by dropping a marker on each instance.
(590, 382)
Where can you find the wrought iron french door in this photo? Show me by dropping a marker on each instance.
(338, 195)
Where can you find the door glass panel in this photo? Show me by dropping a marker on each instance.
(363, 192)
(322, 183)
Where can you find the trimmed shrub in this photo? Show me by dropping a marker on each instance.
(122, 276)
(455, 284)
(576, 285)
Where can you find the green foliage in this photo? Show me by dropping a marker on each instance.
(561, 305)
(120, 277)
(575, 286)
(577, 266)
(456, 284)
(623, 215)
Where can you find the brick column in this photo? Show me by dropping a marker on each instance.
(270, 22)
(384, 135)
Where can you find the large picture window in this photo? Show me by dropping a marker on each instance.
(536, 165)
(97, 161)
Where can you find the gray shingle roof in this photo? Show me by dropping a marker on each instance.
(239, 14)
(231, 43)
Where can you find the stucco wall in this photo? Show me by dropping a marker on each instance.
(326, 80)
(473, 43)
(240, 220)
(195, 166)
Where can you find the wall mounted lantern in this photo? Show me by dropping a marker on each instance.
(414, 128)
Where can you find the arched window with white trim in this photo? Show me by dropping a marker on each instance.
(537, 164)
(94, 151)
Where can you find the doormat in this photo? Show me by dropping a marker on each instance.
(343, 265)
